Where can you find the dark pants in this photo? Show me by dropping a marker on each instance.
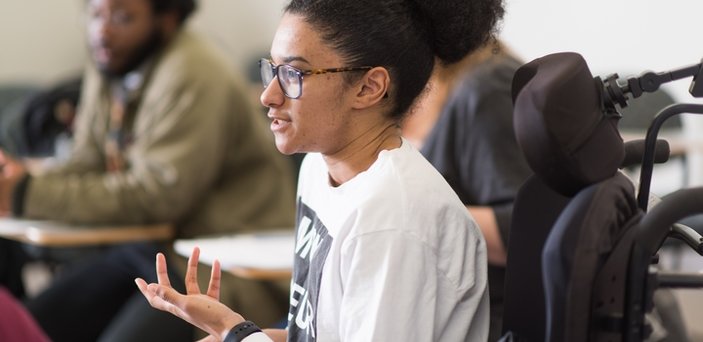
(98, 300)
(12, 260)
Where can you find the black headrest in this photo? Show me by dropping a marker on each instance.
(560, 125)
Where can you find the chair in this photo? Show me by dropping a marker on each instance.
(564, 161)
(580, 252)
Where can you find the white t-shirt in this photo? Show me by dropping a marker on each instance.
(390, 255)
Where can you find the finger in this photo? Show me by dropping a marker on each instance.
(142, 285)
(192, 273)
(162, 270)
(154, 301)
(151, 296)
(213, 290)
(165, 298)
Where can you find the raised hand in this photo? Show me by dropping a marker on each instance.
(202, 310)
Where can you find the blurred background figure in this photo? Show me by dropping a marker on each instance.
(165, 132)
(39, 123)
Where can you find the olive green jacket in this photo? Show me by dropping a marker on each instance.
(202, 156)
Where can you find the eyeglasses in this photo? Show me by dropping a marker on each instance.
(291, 79)
(118, 19)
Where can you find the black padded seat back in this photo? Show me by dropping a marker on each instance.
(581, 240)
(536, 209)
(569, 143)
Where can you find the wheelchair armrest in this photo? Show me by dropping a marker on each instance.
(634, 152)
(680, 280)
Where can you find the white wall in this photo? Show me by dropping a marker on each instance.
(621, 35)
(40, 40)
(243, 28)
(43, 40)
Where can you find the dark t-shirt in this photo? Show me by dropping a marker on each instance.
(473, 146)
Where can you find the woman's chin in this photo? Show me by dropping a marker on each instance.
(284, 146)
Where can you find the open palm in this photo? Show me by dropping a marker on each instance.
(202, 310)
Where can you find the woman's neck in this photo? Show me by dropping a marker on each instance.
(362, 152)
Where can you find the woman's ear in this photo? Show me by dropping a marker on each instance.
(372, 88)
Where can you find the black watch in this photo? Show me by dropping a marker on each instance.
(241, 331)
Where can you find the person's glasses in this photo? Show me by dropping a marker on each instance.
(119, 19)
(291, 79)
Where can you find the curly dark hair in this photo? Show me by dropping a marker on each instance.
(184, 8)
(403, 36)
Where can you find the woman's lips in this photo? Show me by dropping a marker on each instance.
(279, 124)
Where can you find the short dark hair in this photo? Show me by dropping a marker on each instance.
(184, 8)
(403, 36)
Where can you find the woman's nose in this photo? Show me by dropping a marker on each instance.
(272, 96)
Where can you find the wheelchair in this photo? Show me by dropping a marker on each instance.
(584, 239)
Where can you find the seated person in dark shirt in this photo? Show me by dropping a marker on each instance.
(464, 127)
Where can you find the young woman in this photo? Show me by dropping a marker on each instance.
(385, 250)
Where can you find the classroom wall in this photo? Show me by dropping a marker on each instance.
(43, 40)
(623, 36)
(40, 40)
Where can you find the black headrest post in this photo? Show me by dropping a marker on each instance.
(648, 82)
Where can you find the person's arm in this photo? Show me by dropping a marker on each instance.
(201, 310)
(485, 217)
(12, 173)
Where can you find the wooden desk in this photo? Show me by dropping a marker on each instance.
(260, 274)
(260, 256)
(57, 234)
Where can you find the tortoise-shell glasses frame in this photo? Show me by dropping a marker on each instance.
(291, 78)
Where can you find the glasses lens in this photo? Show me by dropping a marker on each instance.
(266, 69)
(290, 81)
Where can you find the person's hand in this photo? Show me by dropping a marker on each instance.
(202, 310)
(11, 171)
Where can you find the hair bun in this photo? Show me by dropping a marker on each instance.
(458, 27)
